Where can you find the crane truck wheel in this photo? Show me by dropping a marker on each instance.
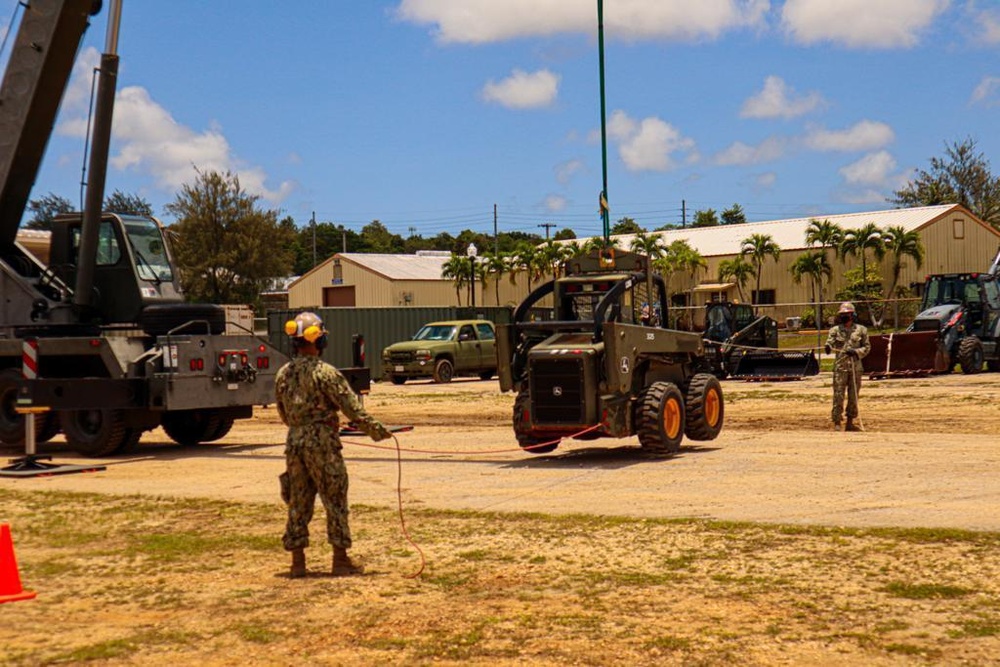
(705, 408)
(225, 425)
(189, 427)
(12, 423)
(94, 432)
(970, 355)
(660, 418)
(522, 424)
(160, 319)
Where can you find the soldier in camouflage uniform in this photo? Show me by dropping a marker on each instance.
(850, 341)
(309, 393)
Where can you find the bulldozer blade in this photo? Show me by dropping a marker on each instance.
(910, 353)
(775, 365)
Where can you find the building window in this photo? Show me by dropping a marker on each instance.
(958, 228)
(764, 297)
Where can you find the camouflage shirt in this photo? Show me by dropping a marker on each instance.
(843, 340)
(309, 391)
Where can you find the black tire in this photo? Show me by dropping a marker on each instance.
(660, 418)
(161, 319)
(94, 432)
(47, 428)
(970, 355)
(487, 375)
(190, 427)
(225, 426)
(397, 379)
(706, 409)
(522, 413)
(443, 371)
(130, 442)
(11, 423)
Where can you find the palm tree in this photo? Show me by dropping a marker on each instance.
(680, 257)
(900, 244)
(550, 258)
(495, 266)
(759, 247)
(652, 248)
(825, 234)
(739, 271)
(456, 269)
(526, 259)
(816, 267)
(858, 242)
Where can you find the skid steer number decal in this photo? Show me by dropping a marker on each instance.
(651, 336)
(624, 365)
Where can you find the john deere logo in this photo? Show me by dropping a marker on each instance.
(557, 391)
(624, 365)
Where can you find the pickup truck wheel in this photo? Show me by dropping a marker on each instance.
(705, 408)
(970, 355)
(487, 375)
(660, 418)
(398, 379)
(189, 427)
(443, 371)
(94, 432)
(522, 421)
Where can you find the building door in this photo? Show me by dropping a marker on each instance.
(340, 296)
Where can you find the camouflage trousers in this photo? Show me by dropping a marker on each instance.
(314, 465)
(846, 383)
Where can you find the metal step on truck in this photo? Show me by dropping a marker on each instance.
(112, 347)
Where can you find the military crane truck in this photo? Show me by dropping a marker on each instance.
(118, 351)
(595, 370)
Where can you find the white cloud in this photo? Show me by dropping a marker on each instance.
(988, 21)
(150, 141)
(565, 171)
(865, 135)
(484, 21)
(873, 169)
(555, 203)
(881, 24)
(740, 154)
(779, 100)
(649, 144)
(523, 90)
(987, 92)
(765, 181)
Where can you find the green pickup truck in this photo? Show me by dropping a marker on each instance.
(442, 350)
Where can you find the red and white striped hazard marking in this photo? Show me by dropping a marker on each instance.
(29, 359)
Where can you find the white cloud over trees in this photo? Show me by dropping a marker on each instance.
(779, 100)
(649, 144)
(523, 90)
(884, 24)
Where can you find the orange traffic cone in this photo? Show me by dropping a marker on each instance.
(10, 580)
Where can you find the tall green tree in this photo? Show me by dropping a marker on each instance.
(738, 270)
(127, 204)
(759, 247)
(901, 243)
(706, 218)
(814, 266)
(227, 247)
(826, 235)
(961, 176)
(626, 225)
(495, 266)
(45, 209)
(457, 269)
(681, 258)
(651, 246)
(376, 238)
(734, 215)
(857, 243)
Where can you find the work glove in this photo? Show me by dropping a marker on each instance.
(853, 354)
(381, 433)
(826, 348)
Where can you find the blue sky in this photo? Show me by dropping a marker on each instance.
(425, 113)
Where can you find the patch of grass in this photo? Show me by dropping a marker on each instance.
(474, 555)
(256, 633)
(978, 628)
(926, 591)
(911, 649)
(669, 643)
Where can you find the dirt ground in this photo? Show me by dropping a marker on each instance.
(929, 459)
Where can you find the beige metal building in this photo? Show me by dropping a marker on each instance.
(954, 241)
(373, 280)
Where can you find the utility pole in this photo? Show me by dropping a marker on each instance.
(412, 230)
(547, 226)
(684, 214)
(496, 235)
(314, 238)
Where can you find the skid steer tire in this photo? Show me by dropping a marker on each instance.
(94, 433)
(522, 417)
(705, 408)
(660, 418)
(970, 355)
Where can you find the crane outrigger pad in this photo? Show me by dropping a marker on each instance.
(32, 466)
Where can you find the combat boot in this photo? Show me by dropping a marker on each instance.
(343, 566)
(851, 426)
(298, 564)
(836, 426)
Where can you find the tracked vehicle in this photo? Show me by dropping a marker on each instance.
(595, 371)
